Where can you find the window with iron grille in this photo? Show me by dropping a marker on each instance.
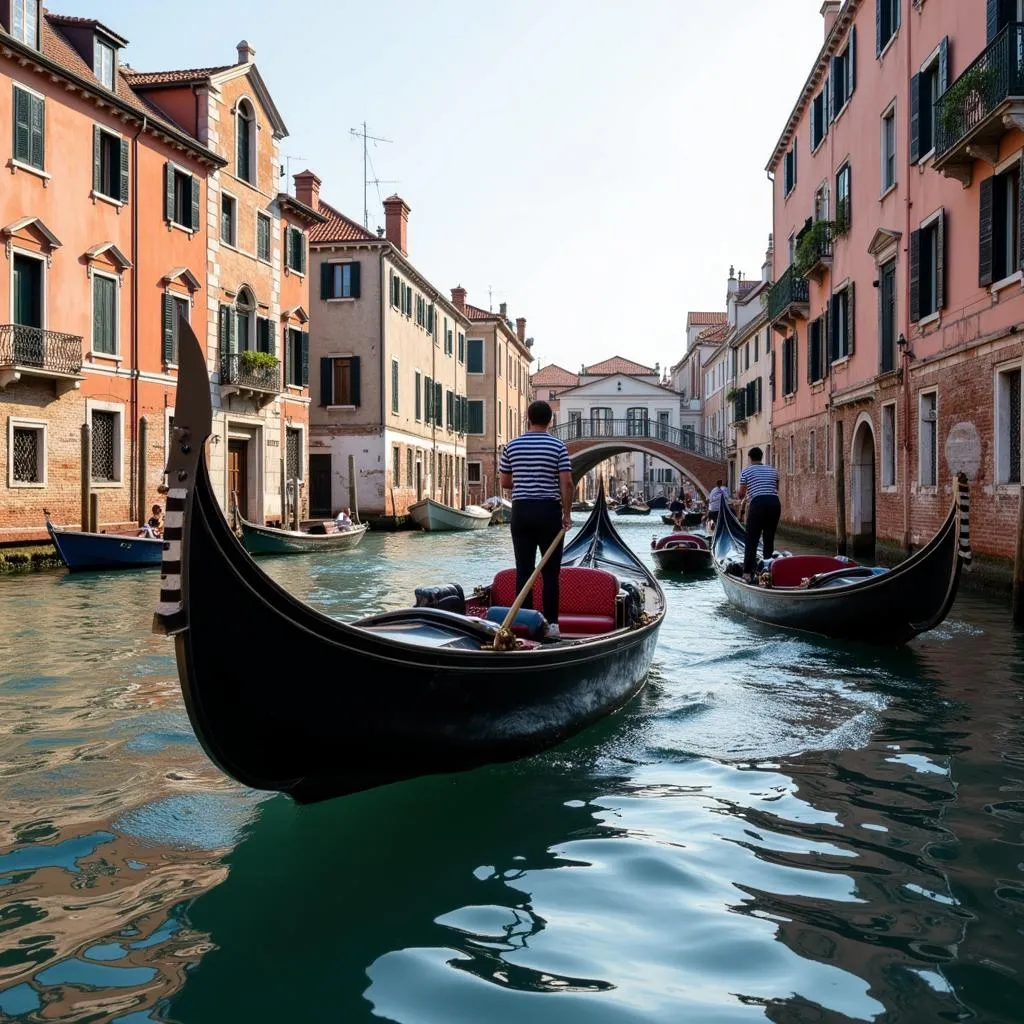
(408, 467)
(293, 453)
(927, 435)
(104, 446)
(1008, 426)
(27, 456)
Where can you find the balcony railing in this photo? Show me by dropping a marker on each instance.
(790, 290)
(240, 370)
(32, 348)
(686, 440)
(967, 107)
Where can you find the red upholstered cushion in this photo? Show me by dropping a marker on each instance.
(585, 625)
(580, 592)
(476, 610)
(790, 571)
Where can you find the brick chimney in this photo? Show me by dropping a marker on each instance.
(396, 221)
(459, 298)
(307, 189)
(246, 53)
(830, 11)
(521, 329)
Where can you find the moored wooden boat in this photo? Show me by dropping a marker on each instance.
(285, 698)
(682, 552)
(435, 516)
(837, 598)
(267, 540)
(690, 518)
(632, 510)
(84, 551)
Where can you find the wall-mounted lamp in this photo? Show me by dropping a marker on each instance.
(904, 347)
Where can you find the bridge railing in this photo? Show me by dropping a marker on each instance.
(675, 437)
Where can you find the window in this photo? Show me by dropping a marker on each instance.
(1008, 426)
(263, 237)
(408, 467)
(925, 89)
(757, 341)
(103, 63)
(419, 397)
(474, 473)
(819, 117)
(339, 281)
(840, 326)
(1000, 238)
(817, 362)
(812, 451)
(175, 309)
(428, 400)
(106, 446)
(25, 21)
(475, 409)
(889, 149)
(109, 165)
(462, 347)
(927, 440)
(887, 316)
(789, 365)
(340, 381)
(636, 421)
(843, 205)
(842, 77)
(293, 453)
(228, 209)
(245, 313)
(396, 462)
(600, 422)
(245, 139)
(394, 385)
(29, 123)
(499, 419)
(475, 355)
(104, 315)
(296, 357)
(182, 198)
(828, 447)
(927, 268)
(789, 170)
(888, 470)
(449, 404)
(887, 21)
(26, 446)
(791, 456)
(295, 252)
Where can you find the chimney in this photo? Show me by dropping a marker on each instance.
(307, 189)
(830, 11)
(503, 311)
(521, 329)
(459, 298)
(396, 223)
(246, 53)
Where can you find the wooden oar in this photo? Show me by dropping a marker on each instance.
(503, 638)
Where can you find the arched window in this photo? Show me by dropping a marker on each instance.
(245, 142)
(245, 315)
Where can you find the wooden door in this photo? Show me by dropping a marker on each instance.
(320, 486)
(238, 476)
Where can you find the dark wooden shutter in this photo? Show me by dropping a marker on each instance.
(832, 93)
(1020, 225)
(271, 339)
(915, 118)
(300, 241)
(812, 337)
(326, 381)
(833, 330)
(428, 400)
(992, 11)
(878, 26)
(124, 170)
(759, 389)
(851, 308)
(852, 62)
(169, 191)
(943, 65)
(826, 334)
(305, 359)
(438, 398)
(794, 162)
(37, 125)
(326, 273)
(794, 354)
(915, 276)
(97, 158)
(224, 320)
(195, 203)
(771, 372)
(356, 381)
(985, 236)
(22, 126)
(354, 280)
(169, 313)
(940, 260)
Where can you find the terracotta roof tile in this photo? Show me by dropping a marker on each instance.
(554, 376)
(619, 365)
(705, 319)
(67, 19)
(476, 313)
(715, 334)
(184, 76)
(339, 228)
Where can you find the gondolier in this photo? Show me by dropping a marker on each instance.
(536, 466)
(759, 484)
(719, 493)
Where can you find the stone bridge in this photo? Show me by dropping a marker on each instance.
(699, 459)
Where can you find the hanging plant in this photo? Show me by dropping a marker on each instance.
(814, 242)
(257, 361)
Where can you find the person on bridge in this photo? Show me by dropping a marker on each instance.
(536, 466)
(760, 485)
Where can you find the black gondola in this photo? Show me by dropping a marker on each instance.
(418, 691)
(836, 597)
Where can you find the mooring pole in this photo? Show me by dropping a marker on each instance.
(295, 503)
(353, 491)
(140, 501)
(94, 512)
(86, 474)
(840, 491)
(1018, 564)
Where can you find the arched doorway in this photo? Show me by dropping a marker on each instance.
(862, 464)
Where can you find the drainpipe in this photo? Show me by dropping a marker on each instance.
(134, 507)
(905, 319)
(380, 335)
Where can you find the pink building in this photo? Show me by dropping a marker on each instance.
(898, 252)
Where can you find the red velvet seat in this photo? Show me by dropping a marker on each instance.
(792, 570)
(586, 598)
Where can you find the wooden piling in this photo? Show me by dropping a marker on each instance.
(295, 503)
(284, 495)
(353, 491)
(840, 490)
(94, 512)
(1018, 565)
(140, 500)
(86, 470)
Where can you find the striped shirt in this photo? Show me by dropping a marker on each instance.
(535, 459)
(762, 481)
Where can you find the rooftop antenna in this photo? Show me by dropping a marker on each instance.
(286, 171)
(356, 133)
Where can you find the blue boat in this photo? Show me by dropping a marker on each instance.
(93, 551)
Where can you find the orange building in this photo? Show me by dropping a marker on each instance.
(898, 304)
(93, 267)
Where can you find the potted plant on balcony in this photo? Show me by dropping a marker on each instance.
(253, 361)
(964, 101)
(815, 242)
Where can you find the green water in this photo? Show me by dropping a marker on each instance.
(777, 828)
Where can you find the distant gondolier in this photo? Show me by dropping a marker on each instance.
(719, 493)
(536, 466)
(759, 484)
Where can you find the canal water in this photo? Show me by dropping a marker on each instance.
(776, 828)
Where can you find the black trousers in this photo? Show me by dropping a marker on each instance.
(535, 524)
(763, 516)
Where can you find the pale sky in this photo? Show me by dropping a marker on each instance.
(598, 166)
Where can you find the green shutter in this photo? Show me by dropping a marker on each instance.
(97, 159)
(22, 126)
(168, 191)
(168, 331)
(326, 270)
(326, 381)
(195, 203)
(124, 170)
(305, 359)
(36, 131)
(354, 281)
(428, 400)
(300, 240)
(355, 389)
(438, 407)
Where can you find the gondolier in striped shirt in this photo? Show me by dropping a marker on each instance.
(759, 484)
(537, 468)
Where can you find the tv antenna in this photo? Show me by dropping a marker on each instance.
(367, 138)
(286, 171)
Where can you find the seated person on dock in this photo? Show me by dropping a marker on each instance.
(155, 526)
(343, 520)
